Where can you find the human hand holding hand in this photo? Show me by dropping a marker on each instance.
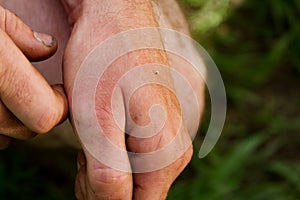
(29, 105)
(93, 22)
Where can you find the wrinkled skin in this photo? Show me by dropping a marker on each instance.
(78, 27)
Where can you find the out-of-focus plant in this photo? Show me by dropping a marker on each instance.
(256, 46)
(212, 13)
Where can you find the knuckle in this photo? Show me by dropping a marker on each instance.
(103, 178)
(11, 24)
(187, 156)
(107, 176)
(184, 160)
(2, 17)
(185, 147)
(45, 122)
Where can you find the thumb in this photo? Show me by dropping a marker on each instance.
(35, 46)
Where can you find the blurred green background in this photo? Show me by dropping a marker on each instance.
(256, 46)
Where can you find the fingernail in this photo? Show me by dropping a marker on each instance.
(46, 39)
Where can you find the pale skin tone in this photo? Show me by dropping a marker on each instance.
(20, 117)
(89, 25)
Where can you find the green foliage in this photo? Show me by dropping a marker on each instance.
(256, 47)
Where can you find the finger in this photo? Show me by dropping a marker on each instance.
(155, 184)
(36, 46)
(26, 93)
(4, 142)
(104, 181)
(11, 127)
(98, 181)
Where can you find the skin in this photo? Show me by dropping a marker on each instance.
(82, 25)
(22, 87)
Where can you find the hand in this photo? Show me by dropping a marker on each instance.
(94, 23)
(28, 106)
